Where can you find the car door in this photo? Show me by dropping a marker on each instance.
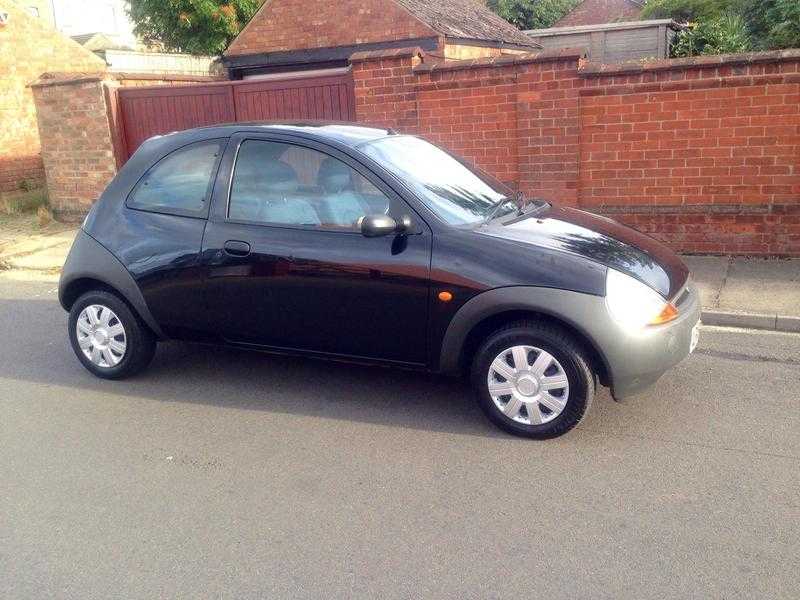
(287, 266)
(157, 231)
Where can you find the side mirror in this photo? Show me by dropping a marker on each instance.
(404, 224)
(380, 225)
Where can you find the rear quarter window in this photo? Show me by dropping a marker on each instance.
(181, 182)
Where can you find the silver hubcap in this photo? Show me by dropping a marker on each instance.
(528, 385)
(101, 335)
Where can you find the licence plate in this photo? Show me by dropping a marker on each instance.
(695, 337)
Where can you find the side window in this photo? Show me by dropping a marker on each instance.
(284, 184)
(180, 182)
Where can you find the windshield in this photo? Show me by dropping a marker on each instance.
(457, 194)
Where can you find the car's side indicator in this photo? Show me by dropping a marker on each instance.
(445, 296)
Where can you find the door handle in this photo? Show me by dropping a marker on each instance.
(237, 248)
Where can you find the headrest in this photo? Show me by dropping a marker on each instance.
(264, 170)
(334, 176)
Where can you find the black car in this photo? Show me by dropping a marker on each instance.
(360, 244)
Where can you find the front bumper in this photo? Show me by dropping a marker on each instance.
(637, 360)
(633, 360)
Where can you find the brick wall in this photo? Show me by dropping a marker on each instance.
(705, 152)
(386, 88)
(702, 153)
(292, 25)
(597, 12)
(77, 144)
(80, 128)
(28, 48)
(473, 113)
(515, 116)
(549, 128)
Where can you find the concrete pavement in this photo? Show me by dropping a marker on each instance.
(748, 292)
(37, 256)
(227, 474)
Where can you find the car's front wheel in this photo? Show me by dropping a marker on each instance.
(107, 337)
(533, 379)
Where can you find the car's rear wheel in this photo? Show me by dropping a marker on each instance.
(533, 379)
(107, 337)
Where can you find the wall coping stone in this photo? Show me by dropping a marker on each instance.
(165, 76)
(591, 69)
(52, 79)
(455, 65)
(55, 79)
(366, 55)
(503, 60)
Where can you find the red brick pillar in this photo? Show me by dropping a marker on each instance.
(548, 126)
(470, 108)
(386, 88)
(76, 139)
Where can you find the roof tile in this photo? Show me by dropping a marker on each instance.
(466, 19)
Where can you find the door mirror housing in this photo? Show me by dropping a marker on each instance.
(380, 225)
(404, 224)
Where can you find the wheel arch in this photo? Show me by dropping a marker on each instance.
(91, 266)
(75, 288)
(490, 310)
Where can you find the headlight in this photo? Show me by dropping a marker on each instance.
(634, 304)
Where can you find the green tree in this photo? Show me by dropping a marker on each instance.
(727, 34)
(685, 11)
(532, 14)
(727, 26)
(193, 26)
(774, 23)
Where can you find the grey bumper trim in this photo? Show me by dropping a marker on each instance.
(634, 360)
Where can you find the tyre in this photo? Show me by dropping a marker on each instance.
(107, 337)
(533, 379)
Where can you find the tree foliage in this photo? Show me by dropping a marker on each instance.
(685, 11)
(532, 14)
(193, 26)
(724, 35)
(775, 23)
(723, 26)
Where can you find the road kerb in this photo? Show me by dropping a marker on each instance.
(745, 320)
(788, 324)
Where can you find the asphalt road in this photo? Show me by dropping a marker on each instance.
(225, 474)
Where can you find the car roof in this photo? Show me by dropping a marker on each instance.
(349, 134)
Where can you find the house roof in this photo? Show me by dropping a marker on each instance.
(99, 41)
(84, 37)
(468, 19)
(594, 12)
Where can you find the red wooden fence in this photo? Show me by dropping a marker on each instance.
(149, 111)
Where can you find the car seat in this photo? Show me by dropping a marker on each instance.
(265, 189)
(341, 204)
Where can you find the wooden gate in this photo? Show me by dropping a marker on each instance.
(149, 111)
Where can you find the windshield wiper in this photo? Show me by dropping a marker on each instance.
(499, 204)
(495, 209)
(529, 205)
(524, 206)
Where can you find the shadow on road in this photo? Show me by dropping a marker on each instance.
(36, 349)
